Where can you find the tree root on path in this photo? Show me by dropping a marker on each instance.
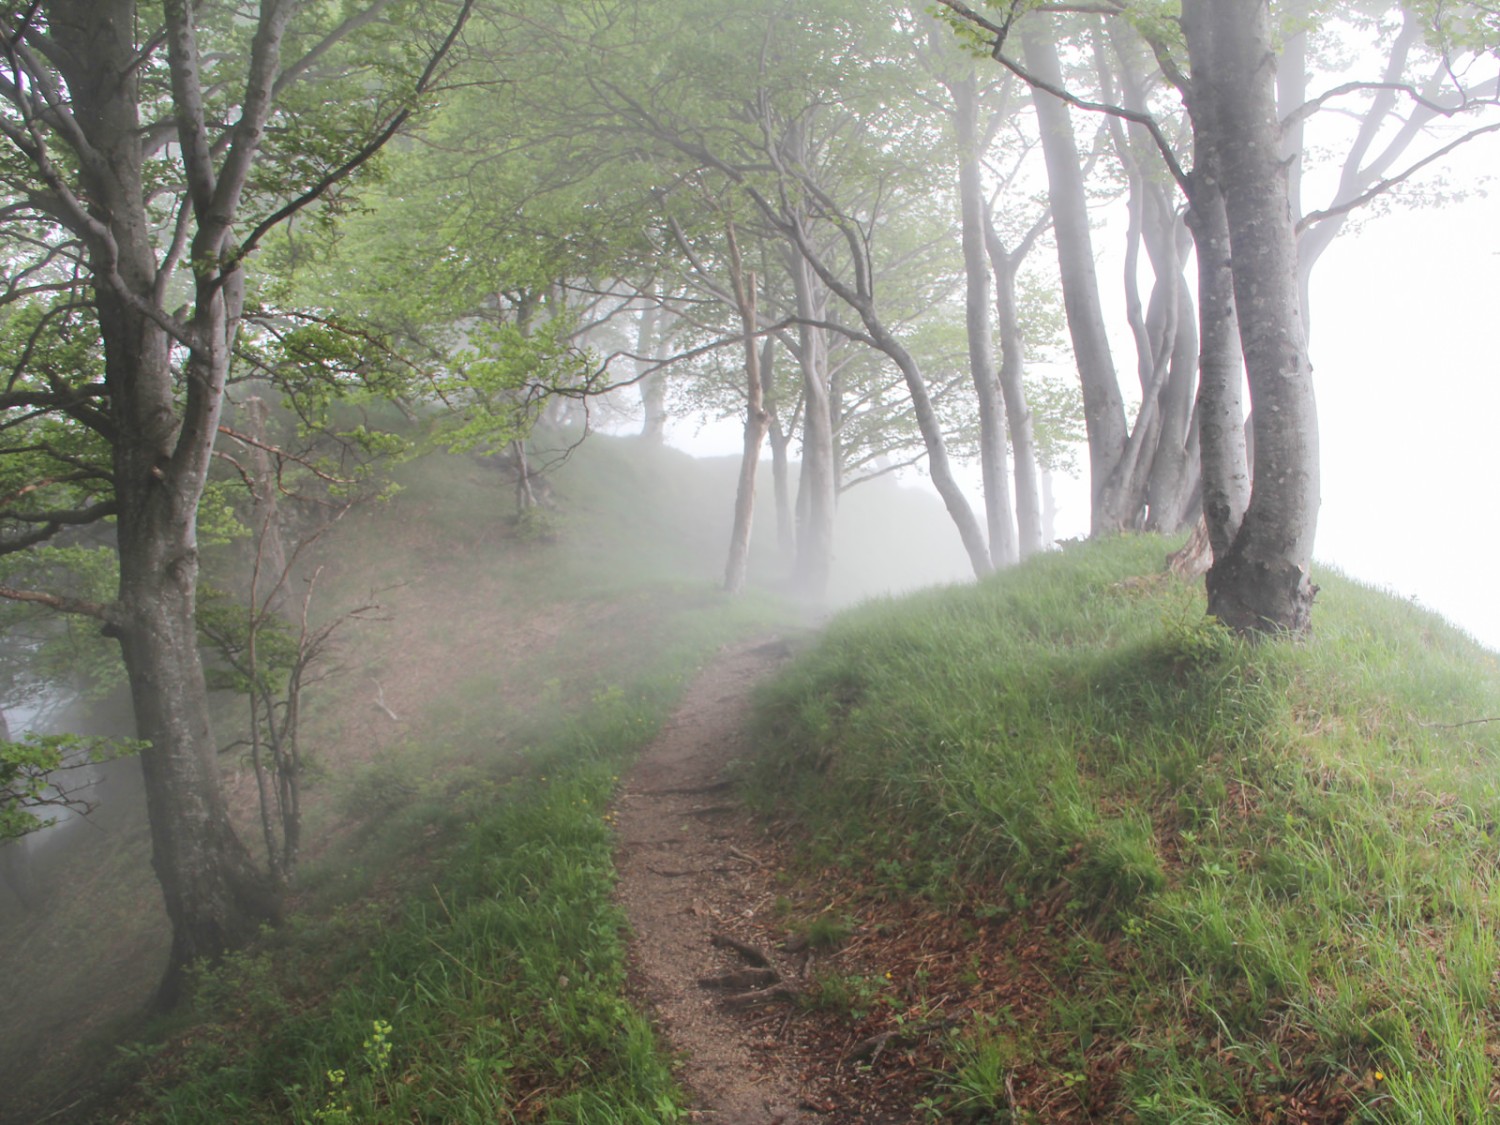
(744, 949)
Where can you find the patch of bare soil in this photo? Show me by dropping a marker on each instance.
(730, 986)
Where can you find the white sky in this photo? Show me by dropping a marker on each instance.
(1408, 380)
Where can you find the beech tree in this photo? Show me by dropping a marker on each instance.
(1242, 217)
(149, 149)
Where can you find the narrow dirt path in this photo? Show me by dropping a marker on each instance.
(688, 885)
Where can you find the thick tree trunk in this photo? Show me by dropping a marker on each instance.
(215, 897)
(1103, 408)
(992, 448)
(163, 441)
(1261, 584)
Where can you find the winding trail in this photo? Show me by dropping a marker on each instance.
(685, 880)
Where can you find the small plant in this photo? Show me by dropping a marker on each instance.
(826, 932)
(853, 993)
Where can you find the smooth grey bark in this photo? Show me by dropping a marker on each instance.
(653, 384)
(817, 498)
(1103, 408)
(1261, 584)
(1221, 364)
(1175, 468)
(756, 423)
(1005, 264)
(779, 439)
(1156, 476)
(1004, 549)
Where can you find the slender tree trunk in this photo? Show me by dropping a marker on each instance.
(992, 449)
(1004, 264)
(653, 386)
(270, 550)
(1103, 408)
(779, 440)
(1221, 366)
(818, 496)
(937, 451)
(756, 421)
(1261, 584)
(1174, 471)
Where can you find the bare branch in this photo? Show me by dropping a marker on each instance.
(1385, 185)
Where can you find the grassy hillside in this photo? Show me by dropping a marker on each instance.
(451, 951)
(456, 885)
(1136, 870)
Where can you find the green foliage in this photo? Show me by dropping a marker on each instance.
(496, 383)
(1287, 847)
(45, 651)
(34, 773)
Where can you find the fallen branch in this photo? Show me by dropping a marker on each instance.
(380, 702)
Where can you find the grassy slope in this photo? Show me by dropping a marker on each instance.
(459, 870)
(1213, 882)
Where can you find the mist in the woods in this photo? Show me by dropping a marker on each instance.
(542, 543)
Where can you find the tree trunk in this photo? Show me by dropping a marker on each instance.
(1221, 366)
(1103, 408)
(992, 451)
(270, 550)
(756, 421)
(818, 497)
(779, 440)
(1029, 522)
(215, 897)
(1261, 584)
(1175, 469)
(937, 451)
(163, 443)
(653, 385)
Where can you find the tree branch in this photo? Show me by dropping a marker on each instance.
(1385, 185)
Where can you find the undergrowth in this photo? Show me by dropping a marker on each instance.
(498, 986)
(1259, 874)
(476, 976)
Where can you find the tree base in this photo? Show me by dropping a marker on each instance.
(1256, 598)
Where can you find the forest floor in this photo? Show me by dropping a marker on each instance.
(721, 953)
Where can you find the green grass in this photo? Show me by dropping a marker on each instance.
(1276, 862)
(494, 992)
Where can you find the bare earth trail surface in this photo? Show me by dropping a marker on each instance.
(709, 955)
